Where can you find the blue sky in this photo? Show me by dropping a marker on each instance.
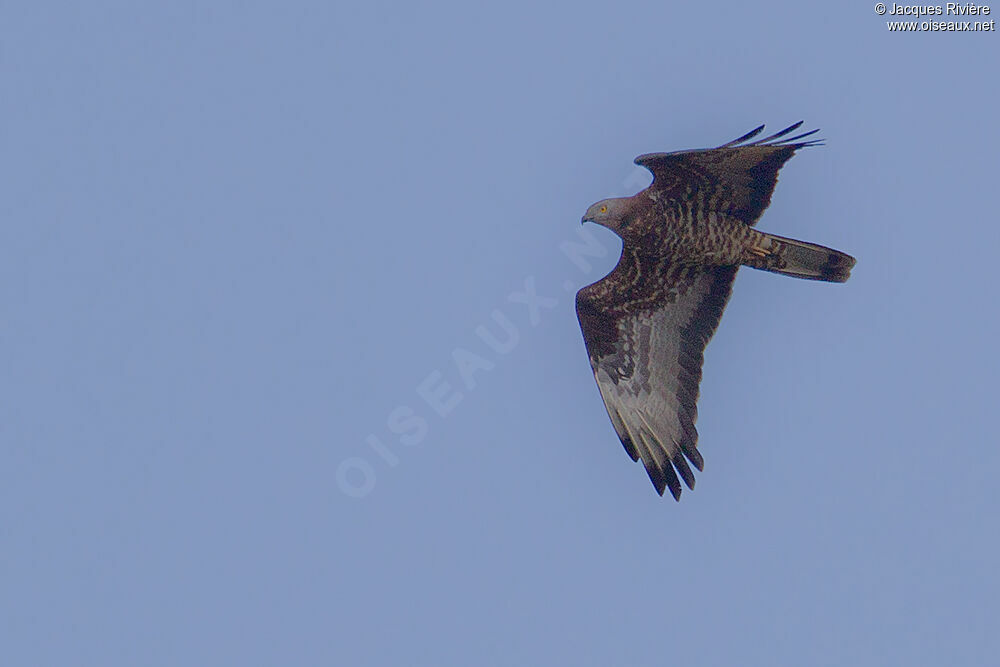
(239, 238)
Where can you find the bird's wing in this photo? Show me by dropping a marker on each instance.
(646, 326)
(736, 178)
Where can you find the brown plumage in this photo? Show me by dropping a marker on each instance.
(646, 324)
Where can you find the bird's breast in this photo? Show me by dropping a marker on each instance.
(699, 237)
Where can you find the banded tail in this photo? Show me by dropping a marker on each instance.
(798, 259)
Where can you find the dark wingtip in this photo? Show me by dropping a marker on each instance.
(663, 479)
(684, 469)
(790, 141)
(690, 449)
(749, 135)
(630, 448)
(799, 136)
(656, 475)
(673, 483)
(776, 135)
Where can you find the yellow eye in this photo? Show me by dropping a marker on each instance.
(604, 209)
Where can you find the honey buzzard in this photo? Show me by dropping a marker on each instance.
(646, 324)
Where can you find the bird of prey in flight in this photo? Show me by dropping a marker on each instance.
(646, 324)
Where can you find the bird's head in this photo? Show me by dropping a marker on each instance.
(610, 213)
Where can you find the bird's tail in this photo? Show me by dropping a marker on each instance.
(798, 259)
